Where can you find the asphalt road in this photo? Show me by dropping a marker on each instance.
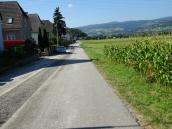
(69, 93)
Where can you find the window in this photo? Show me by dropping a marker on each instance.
(11, 37)
(10, 20)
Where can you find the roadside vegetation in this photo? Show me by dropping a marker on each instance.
(151, 57)
(140, 69)
(14, 54)
(65, 35)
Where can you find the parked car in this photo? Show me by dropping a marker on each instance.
(68, 50)
(61, 49)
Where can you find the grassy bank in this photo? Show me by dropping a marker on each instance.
(150, 100)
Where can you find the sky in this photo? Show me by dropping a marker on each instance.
(86, 12)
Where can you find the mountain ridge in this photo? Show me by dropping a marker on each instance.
(127, 27)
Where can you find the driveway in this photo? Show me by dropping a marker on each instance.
(69, 95)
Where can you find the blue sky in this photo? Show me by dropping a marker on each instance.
(85, 12)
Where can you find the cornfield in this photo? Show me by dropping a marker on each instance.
(151, 57)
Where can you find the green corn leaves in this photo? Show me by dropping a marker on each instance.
(151, 57)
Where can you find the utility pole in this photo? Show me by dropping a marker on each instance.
(1, 36)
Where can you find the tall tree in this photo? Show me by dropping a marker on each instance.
(40, 40)
(45, 38)
(59, 25)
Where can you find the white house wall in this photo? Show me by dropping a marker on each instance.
(35, 37)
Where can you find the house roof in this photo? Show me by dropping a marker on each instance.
(35, 22)
(48, 25)
(13, 3)
(11, 9)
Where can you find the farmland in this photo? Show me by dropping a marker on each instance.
(150, 96)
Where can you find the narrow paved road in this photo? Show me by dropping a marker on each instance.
(73, 96)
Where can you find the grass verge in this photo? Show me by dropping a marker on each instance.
(151, 101)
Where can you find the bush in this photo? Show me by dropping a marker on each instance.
(17, 52)
(53, 41)
(30, 46)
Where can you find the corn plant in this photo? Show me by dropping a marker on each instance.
(151, 57)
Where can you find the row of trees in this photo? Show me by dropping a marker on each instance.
(59, 25)
(75, 34)
(43, 41)
(127, 35)
(59, 31)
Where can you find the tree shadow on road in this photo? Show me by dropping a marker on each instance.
(43, 63)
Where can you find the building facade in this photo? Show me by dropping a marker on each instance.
(15, 21)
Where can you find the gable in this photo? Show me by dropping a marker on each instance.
(35, 22)
(11, 10)
(48, 25)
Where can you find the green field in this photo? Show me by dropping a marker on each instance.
(152, 101)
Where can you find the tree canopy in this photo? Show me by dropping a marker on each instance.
(59, 24)
(76, 33)
(40, 40)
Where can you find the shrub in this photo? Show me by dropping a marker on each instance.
(30, 46)
(18, 50)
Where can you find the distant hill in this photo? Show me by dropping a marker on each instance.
(128, 27)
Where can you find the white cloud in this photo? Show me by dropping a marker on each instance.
(70, 5)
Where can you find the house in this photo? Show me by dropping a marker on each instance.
(49, 28)
(1, 37)
(15, 21)
(36, 23)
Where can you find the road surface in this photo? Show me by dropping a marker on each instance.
(66, 92)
